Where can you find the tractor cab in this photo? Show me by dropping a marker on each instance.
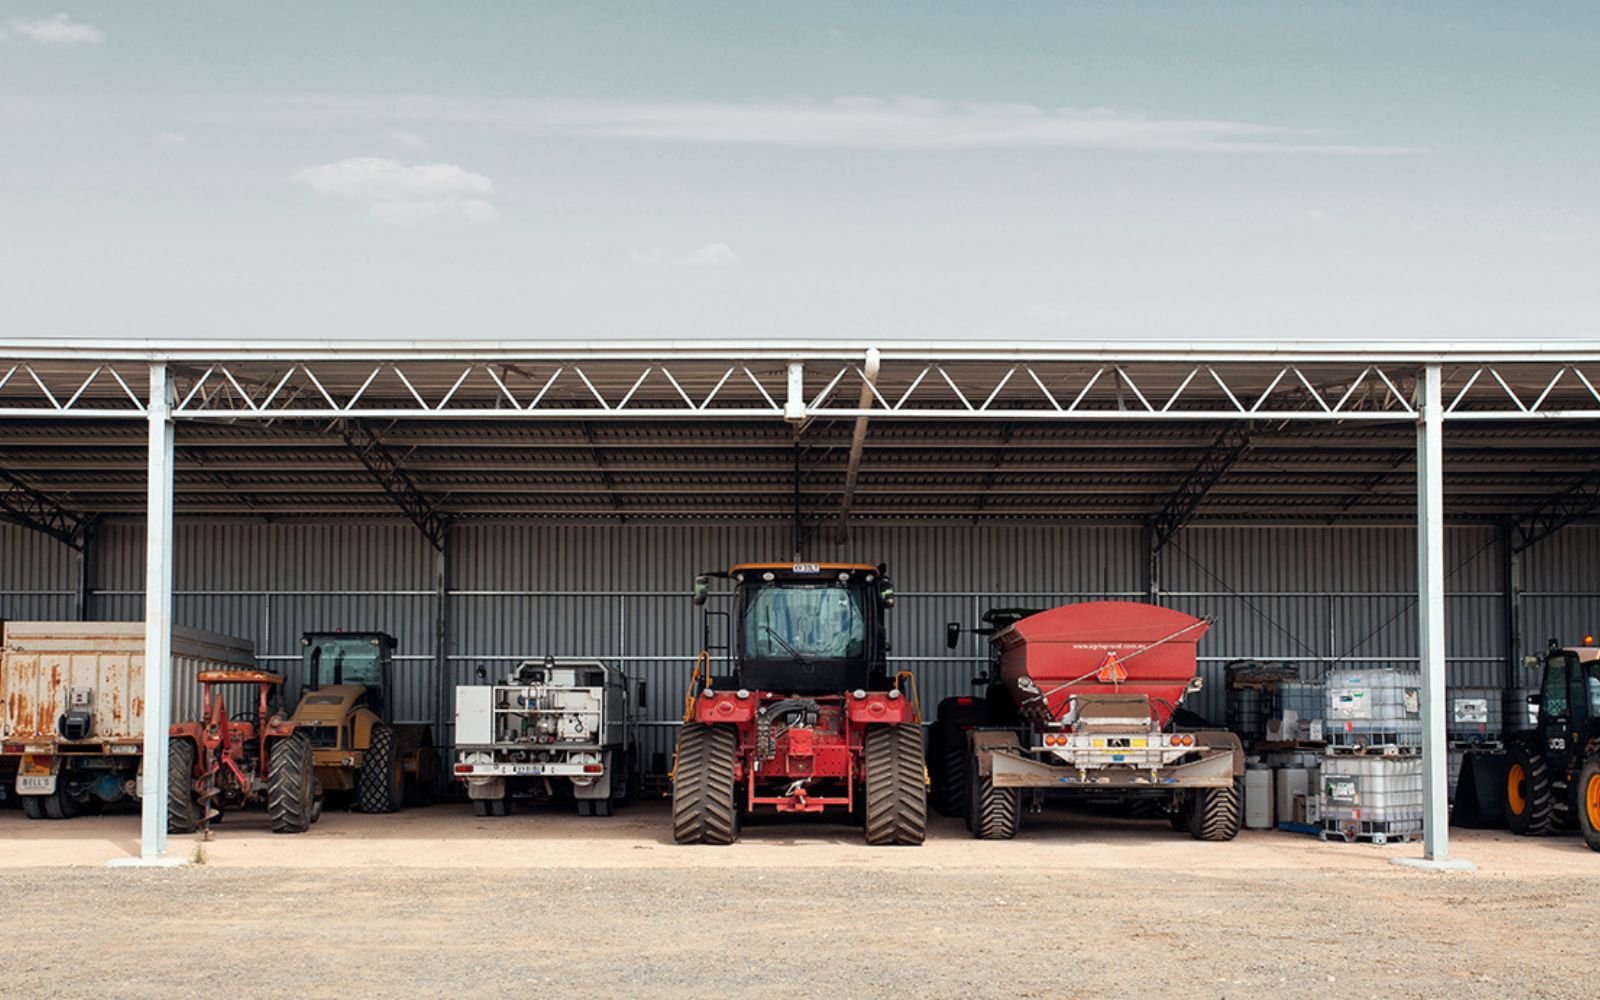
(354, 666)
(807, 627)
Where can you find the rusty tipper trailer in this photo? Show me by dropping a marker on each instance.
(1082, 700)
(72, 706)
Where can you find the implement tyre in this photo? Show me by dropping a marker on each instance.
(32, 806)
(951, 790)
(290, 798)
(897, 794)
(380, 784)
(1216, 812)
(1530, 801)
(994, 813)
(1589, 802)
(705, 807)
(183, 812)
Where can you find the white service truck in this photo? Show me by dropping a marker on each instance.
(551, 725)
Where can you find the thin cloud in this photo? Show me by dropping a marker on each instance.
(57, 29)
(712, 255)
(401, 195)
(910, 123)
(174, 138)
(406, 137)
(653, 255)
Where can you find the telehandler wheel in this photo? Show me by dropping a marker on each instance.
(1589, 802)
(380, 785)
(32, 806)
(1216, 813)
(60, 804)
(897, 794)
(1530, 801)
(289, 778)
(183, 812)
(705, 805)
(992, 813)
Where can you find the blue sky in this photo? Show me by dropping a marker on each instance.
(766, 170)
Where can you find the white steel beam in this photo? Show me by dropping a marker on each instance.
(157, 617)
(1430, 604)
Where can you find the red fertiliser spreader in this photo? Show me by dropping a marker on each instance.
(1084, 700)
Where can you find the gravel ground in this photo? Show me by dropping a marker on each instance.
(1085, 908)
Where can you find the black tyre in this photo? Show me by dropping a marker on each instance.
(60, 804)
(1216, 813)
(500, 806)
(480, 807)
(1530, 801)
(289, 784)
(950, 795)
(601, 807)
(996, 813)
(705, 806)
(380, 785)
(1589, 802)
(896, 785)
(183, 811)
(585, 807)
(33, 806)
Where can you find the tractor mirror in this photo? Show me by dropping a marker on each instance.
(702, 589)
(1531, 662)
(952, 634)
(886, 595)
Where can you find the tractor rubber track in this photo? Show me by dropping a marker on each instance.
(1539, 798)
(375, 791)
(183, 814)
(289, 791)
(1216, 813)
(897, 792)
(705, 808)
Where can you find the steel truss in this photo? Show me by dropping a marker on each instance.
(760, 385)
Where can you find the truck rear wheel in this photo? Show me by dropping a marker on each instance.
(705, 806)
(289, 790)
(896, 789)
(993, 813)
(32, 806)
(1589, 802)
(1216, 813)
(1530, 801)
(380, 785)
(183, 812)
(60, 803)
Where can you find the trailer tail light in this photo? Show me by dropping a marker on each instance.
(1183, 740)
(593, 768)
(463, 768)
(13, 748)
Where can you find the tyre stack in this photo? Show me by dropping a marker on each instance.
(1370, 781)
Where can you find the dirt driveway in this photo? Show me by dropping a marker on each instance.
(440, 903)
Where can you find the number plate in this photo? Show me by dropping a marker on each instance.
(36, 784)
(527, 768)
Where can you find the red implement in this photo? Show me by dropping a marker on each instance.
(1100, 647)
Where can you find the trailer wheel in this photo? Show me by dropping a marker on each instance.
(480, 807)
(60, 804)
(32, 806)
(601, 807)
(994, 813)
(705, 806)
(1530, 802)
(1215, 813)
(897, 793)
(183, 812)
(289, 777)
(380, 785)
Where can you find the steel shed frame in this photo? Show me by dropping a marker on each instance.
(1426, 386)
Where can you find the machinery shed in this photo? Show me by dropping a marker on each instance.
(1329, 504)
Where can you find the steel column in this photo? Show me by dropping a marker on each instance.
(157, 616)
(1514, 705)
(1430, 604)
(443, 683)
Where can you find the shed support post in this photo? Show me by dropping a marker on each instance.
(83, 566)
(157, 617)
(1514, 706)
(1430, 603)
(1152, 563)
(443, 684)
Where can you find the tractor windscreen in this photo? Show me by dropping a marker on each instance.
(343, 661)
(805, 621)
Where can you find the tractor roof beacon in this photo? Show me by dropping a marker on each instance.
(804, 715)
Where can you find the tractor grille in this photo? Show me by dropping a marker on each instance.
(320, 735)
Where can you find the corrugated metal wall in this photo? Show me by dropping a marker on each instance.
(1308, 594)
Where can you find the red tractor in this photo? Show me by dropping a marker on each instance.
(810, 718)
(255, 755)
